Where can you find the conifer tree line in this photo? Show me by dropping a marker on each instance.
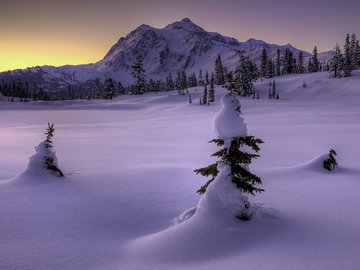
(342, 64)
(286, 63)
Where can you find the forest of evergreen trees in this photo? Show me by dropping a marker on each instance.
(243, 76)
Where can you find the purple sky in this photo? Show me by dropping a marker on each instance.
(79, 31)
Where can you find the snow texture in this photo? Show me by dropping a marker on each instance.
(228, 123)
(129, 172)
(37, 161)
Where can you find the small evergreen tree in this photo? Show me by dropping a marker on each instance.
(347, 64)
(273, 90)
(264, 63)
(230, 84)
(278, 63)
(330, 163)
(234, 159)
(300, 63)
(201, 81)
(212, 89)
(205, 95)
(288, 62)
(244, 76)
(110, 89)
(336, 63)
(49, 161)
(207, 82)
(138, 72)
(169, 83)
(219, 71)
(314, 64)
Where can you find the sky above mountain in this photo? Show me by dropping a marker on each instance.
(47, 32)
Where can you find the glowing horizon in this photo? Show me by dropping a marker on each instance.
(40, 32)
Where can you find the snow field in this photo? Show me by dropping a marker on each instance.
(128, 166)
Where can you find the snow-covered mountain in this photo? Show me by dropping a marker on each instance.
(180, 45)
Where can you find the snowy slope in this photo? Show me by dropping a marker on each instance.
(128, 166)
(180, 45)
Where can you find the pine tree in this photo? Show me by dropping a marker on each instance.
(212, 89)
(288, 62)
(347, 57)
(357, 54)
(138, 72)
(219, 71)
(207, 82)
(273, 90)
(192, 81)
(314, 64)
(169, 83)
(269, 69)
(234, 159)
(50, 162)
(264, 63)
(353, 52)
(183, 82)
(204, 97)
(300, 63)
(230, 84)
(201, 81)
(110, 89)
(244, 76)
(331, 162)
(278, 63)
(336, 63)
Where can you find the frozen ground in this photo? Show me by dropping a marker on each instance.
(128, 166)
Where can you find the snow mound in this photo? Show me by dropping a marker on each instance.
(228, 123)
(315, 165)
(36, 166)
(222, 194)
(208, 234)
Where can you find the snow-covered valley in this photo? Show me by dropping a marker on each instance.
(129, 164)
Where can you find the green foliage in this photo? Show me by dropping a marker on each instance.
(138, 73)
(49, 135)
(238, 161)
(210, 170)
(49, 161)
(212, 89)
(331, 163)
(204, 98)
(230, 84)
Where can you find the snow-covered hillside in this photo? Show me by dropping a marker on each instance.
(180, 45)
(129, 164)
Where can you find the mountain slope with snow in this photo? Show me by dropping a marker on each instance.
(129, 164)
(180, 45)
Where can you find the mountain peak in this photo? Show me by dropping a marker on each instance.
(185, 24)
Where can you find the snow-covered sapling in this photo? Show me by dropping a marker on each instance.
(50, 161)
(331, 163)
(233, 160)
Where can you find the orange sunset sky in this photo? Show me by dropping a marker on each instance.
(45, 32)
